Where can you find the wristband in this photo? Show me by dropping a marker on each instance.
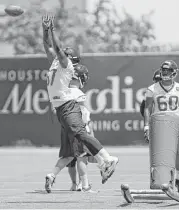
(52, 28)
(146, 127)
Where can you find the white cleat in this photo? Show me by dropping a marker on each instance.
(89, 190)
(108, 169)
(79, 188)
(49, 181)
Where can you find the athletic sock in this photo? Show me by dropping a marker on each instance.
(99, 160)
(84, 180)
(105, 155)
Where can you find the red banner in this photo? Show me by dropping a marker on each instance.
(115, 91)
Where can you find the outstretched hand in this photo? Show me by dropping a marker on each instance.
(48, 21)
(52, 18)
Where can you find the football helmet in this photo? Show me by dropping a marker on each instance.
(156, 76)
(73, 55)
(81, 74)
(168, 70)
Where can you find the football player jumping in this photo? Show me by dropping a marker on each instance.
(72, 148)
(63, 99)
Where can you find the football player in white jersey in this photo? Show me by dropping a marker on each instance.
(63, 99)
(162, 97)
(73, 148)
(156, 78)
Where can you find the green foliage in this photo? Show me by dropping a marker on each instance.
(103, 30)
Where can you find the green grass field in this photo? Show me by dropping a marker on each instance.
(23, 173)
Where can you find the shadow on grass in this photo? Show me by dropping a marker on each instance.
(146, 202)
(169, 205)
(124, 205)
(151, 197)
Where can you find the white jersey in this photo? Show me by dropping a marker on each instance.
(85, 114)
(81, 97)
(58, 80)
(85, 117)
(164, 100)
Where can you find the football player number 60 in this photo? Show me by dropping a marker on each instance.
(171, 103)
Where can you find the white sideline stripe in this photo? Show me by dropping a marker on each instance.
(90, 209)
(70, 192)
(119, 150)
(102, 190)
(121, 175)
(95, 175)
(138, 181)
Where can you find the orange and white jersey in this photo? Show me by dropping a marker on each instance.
(58, 80)
(164, 100)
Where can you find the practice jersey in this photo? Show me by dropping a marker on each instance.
(164, 101)
(85, 114)
(81, 98)
(58, 80)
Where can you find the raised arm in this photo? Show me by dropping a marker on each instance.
(57, 46)
(46, 38)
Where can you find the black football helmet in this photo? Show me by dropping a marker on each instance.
(156, 76)
(168, 70)
(81, 73)
(72, 54)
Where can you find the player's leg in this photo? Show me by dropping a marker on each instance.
(177, 171)
(82, 170)
(50, 178)
(142, 107)
(82, 163)
(65, 157)
(79, 186)
(72, 172)
(70, 116)
(105, 162)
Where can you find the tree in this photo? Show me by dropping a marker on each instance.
(24, 32)
(120, 34)
(102, 30)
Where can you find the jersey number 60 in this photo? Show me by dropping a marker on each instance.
(171, 103)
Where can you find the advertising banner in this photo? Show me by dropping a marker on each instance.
(115, 90)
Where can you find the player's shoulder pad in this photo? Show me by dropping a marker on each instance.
(176, 84)
(70, 65)
(151, 87)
